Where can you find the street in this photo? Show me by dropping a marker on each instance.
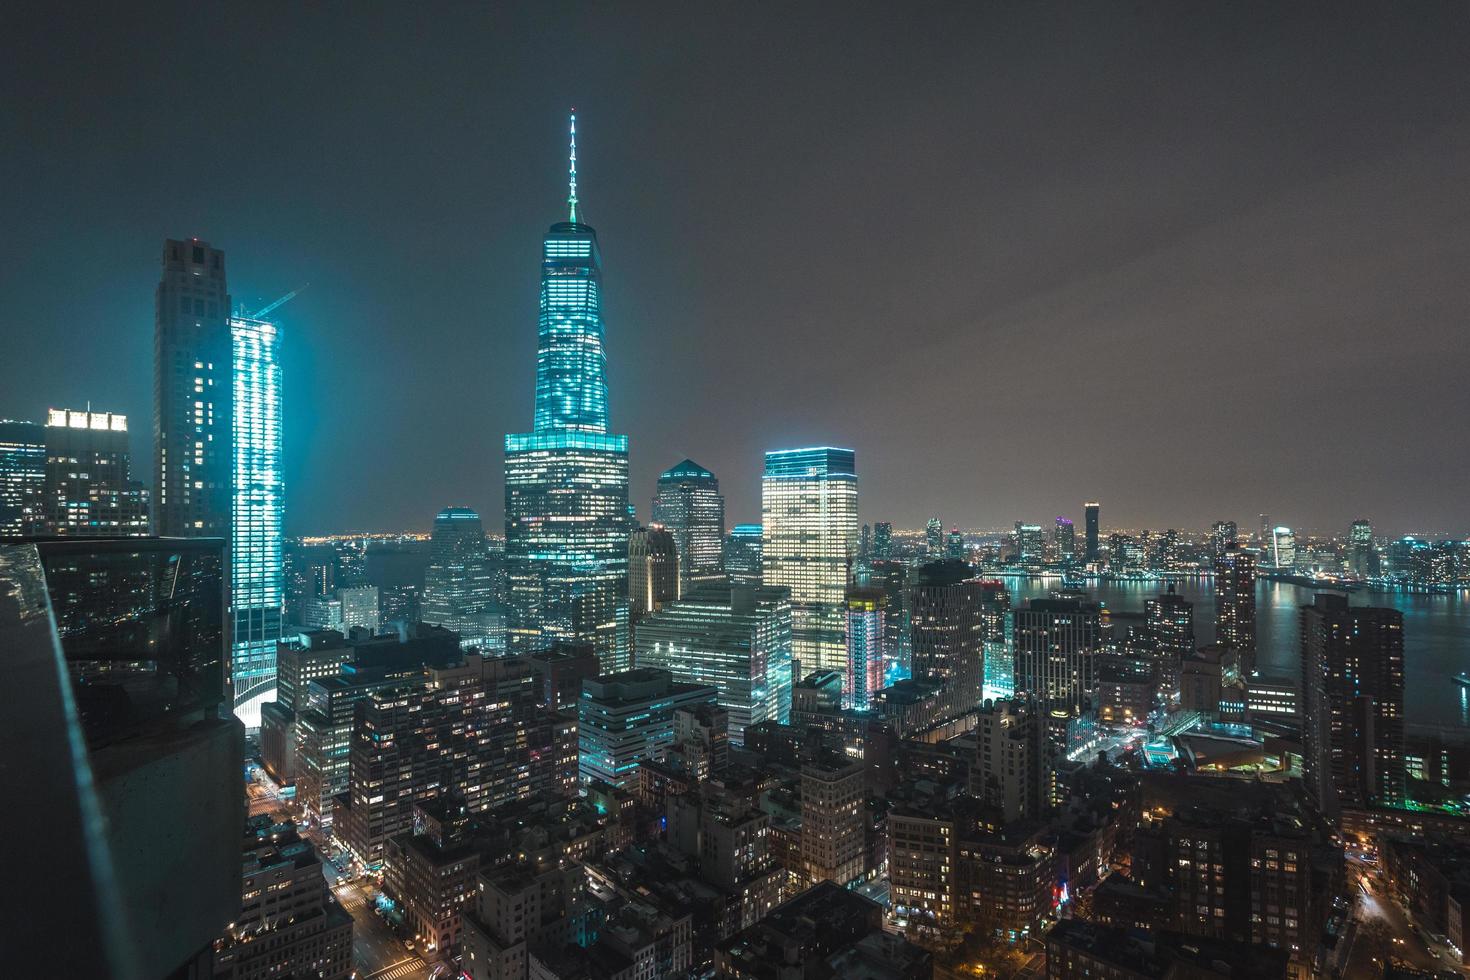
(377, 954)
(1383, 929)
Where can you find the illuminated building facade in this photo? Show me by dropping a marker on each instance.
(1222, 534)
(1169, 626)
(653, 572)
(22, 476)
(1235, 603)
(742, 556)
(689, 504)
(948, 631)
(627, 718)
(737, 639)
(1283, 548)
(192, 394)
(995, 623)
(1064, 539)
(1362, 558)
(1352, 704)
(882, 540)
(809, 517)
(865, 662)
(1056, 652)
(89, 490)
(1029, 547)
(257, 569)
(934, 538)
(566, 482)
(459, 583)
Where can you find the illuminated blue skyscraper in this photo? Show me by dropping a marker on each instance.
(566, 482)
(256, 569)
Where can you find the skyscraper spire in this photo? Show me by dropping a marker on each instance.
(572, 170)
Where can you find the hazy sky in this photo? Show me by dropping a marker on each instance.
(1196, 261)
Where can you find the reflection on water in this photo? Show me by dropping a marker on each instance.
(1436, 633)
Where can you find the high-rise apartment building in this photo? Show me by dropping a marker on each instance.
(193, 392)
(742, 554)
(1263, 541)
(1056, 652)
(892, 576)
(1091, 510)
(736, 638)
(865, 662)
(949, 631)
(1221, 535)
(257, 563)
(1168, 626)
(459, 583)
(1235, 603)
(360, 608)
(809, 521)
(566, 481)
(1012, 770)
(689, 504)
(653, 572)
(995, 624)
(22, 476)
(89, 490)
(833, 792)
(1352, 704)
(627, 718)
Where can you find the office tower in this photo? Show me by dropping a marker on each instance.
(833, 792)
(882, 541)
(742, 554)
(955, 545)
(1165, 555)
(865, 543)
(1352, 704)
(566, 481)
(653, 572)
(948, 631)
(864, 647)
(1029, 547)
(809, 512)
(193, 392)
(22, 476)
(1064, 539)
(130, 768)
(736, 638)
(1125, 554)
(1012, 770)
(1362, 559)
(1263, 542)
(89, 490)
(995, 621)
(1168, 626)
(1091, 510)
(1056, 652)
(322, 612)
(1221, 535)
(689, 504)
(934, 538)
(892, 576)
(289, 922)
(459, 582)
(359, 608)
(257, 587)
(627, 718)
(1235, 604)
(1283, 548)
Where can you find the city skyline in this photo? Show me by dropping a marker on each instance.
(1195, 221)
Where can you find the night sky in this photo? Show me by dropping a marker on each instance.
(1195, 261)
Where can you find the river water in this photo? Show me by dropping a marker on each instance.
(1436, 634)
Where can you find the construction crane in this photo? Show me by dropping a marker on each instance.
(260, 313)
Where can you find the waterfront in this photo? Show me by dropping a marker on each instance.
(1436, 633)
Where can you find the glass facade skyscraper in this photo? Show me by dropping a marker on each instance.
(566, 482)
(742, 556)
(257, 570)
(22, 476)
(689, 504)
(809, 518)
(459, 583)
